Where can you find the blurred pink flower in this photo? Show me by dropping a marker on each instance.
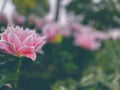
(78, 28)
(66, 32)
(51, 30)
(81, 29)
(87, 37)
(36, 21)
(99, 35)
(75, 26)
(18, 19)
(19, 42)
(87, 41)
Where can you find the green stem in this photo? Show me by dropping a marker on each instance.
(19, 65)
(18, 72)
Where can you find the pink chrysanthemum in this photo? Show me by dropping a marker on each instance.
(19, 42)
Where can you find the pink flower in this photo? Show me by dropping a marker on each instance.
(87, 37)
(51, 30)
(66, 31)
(75, 26)
(18, 19)
(36, 21)
(87, 41)
(100, 35)
(19, 42)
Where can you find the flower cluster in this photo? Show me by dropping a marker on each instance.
(84, 36)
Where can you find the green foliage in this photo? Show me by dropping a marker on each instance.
(101, 74)
(68, 84)
(8, 77)
(8, 65)
(39, 7)
(104, 72)
(103, 15)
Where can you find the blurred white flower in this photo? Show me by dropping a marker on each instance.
(8, 11)
(96, 1)
(114, 34)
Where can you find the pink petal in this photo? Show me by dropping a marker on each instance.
(18, 31)
(3, 50)
(4, 37)
(27, 33)
(26, 49)
(40, 45)
(28, 52)
(39, 42)
(31, 56)
(12, 38)
(28, 41)
(7, 48)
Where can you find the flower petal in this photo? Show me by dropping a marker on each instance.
(31, 56)
(4, 37)
(28, 41)
(7, 48)
(28, 52)
(27, 33)
(12, 38)
(39, 42)
(26, 49)
(3, 49)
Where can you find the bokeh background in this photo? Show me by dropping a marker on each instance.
(65, 65)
